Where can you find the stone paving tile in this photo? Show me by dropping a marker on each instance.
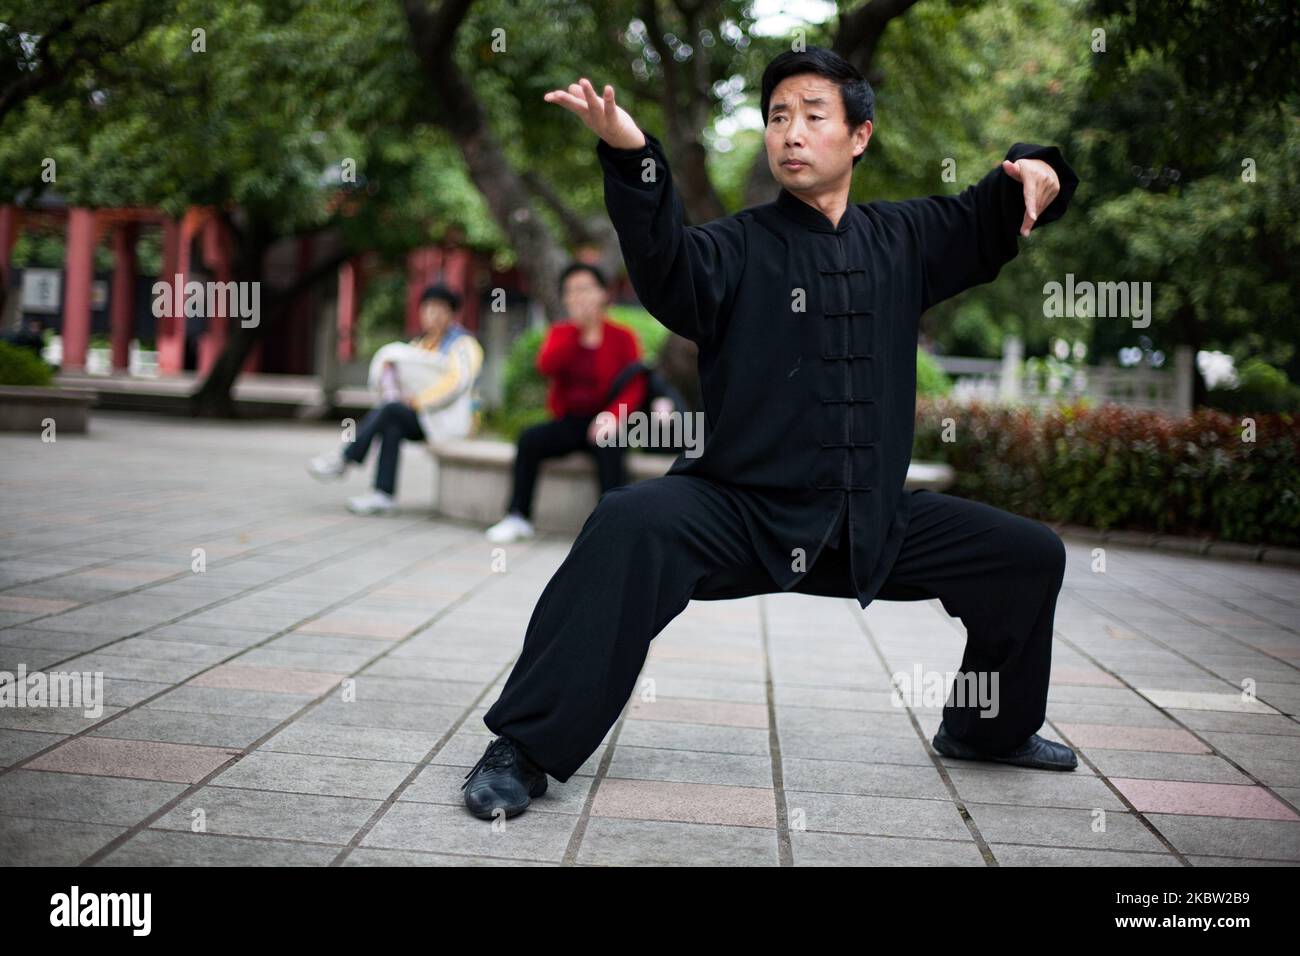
(428, 669)
(16, 745)
(1041, 788)
(305, 661)
(31, 658)
(134, 668)
(219, 634)
(690, 766)
(622, 842)
(1075, 827)
(1012, 855)
(236, 702)
(1187, 700)
(402, 690)
(270, 813)
(149, 648)
(843, 849)
(385, 714)
(82, 797)
(685, 802)
(313, 773)
(821, 720)
(432, 827)
(1084, 676)
(246, 674)
(722, 713)
(69, 642)
(177, 727)
(1199, 720)
(843, 698)
(855, 747)
(365, 856)
(177, 848)
(327, 643)
(666, 735)
(1115, 737)
(119, 692)
(140, 759)
(14, 601)
(1219, 836)
(1203, 799)
(359, 626)
(879, 816)
(1254, 746)
(842, 776)
(1200, 768)
(370, 743)
(52, 720)
(29, 841)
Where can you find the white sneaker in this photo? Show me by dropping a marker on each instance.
(512, 527)
(375, 503)
(328, 467)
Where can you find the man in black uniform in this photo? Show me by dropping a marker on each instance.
(806, 313)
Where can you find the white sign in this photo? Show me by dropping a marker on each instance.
(41, 290)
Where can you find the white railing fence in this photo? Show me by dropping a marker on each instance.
(1167, 389)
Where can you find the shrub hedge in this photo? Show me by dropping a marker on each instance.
(1110, 466)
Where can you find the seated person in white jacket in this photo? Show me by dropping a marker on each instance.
(426, 389)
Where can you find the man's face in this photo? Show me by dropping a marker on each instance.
(435, 316)
(805, 123)
(584, 299)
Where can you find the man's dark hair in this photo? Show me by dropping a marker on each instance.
(440, 291)
(856, 94)
(573, 267)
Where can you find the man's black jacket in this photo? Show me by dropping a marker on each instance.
(807, 337)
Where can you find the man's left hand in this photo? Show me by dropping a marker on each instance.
(1041, 186)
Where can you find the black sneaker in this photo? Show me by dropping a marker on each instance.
(504, 778)
(1036, 752)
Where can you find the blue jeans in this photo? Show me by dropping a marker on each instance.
(392, 423)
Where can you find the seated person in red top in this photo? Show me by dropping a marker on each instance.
(581, 356)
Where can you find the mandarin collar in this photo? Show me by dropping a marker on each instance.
(804, 214)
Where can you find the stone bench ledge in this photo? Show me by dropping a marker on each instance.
(24, 407)
(473, 478)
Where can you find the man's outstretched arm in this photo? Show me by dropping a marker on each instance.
(966, 239)
(684, 275)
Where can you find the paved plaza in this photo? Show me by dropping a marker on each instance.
(285, 683)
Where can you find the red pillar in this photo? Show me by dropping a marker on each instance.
(217, 256)
(300, 355)
(78, 271)
(170, 329)
(122, 296)
(351, 284)
(253, 363)
(10, 225)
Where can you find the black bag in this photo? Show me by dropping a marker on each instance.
(656, 387)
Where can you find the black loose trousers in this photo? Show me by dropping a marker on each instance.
(648, 549)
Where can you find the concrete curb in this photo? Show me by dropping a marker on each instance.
(1210, 547)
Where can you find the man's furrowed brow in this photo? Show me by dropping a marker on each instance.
(808, 100)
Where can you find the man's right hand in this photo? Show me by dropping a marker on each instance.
(602, 116)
